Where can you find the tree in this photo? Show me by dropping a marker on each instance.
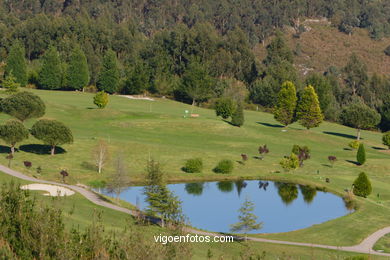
(10, 84)
(118, 181)
(77, 74)
(248, 220)
(285, 107)
(101, 99)
(12, 132)
(308, 109)
(16, 64)
(100, 155)
(356, 76)
(225, 107)
(361, 154)
(288, 192)
(362, 185)
(109, 75)
(50, 75)
(52, 132)
(386, 139)
(358, 115)
(238, 116)
(323, 88)
(308, 193)
(289, 163)
(23, 105)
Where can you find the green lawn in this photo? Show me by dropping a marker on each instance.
(137, 129)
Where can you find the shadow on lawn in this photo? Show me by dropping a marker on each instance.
(40, 149)
(353, 162)
(378, 148)
(341, 135)
(270, 125)
(6, 149)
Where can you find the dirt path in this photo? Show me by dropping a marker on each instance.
(364, 247)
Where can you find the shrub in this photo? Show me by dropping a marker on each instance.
(386, 139)
(290, 162)
(224, 107)
(101, 99)
(362, 186)
(224, 167)
(238, 116)
(361, 155)
(244, 157)
(303, 153)
(23, 105)
(263, 150)
(332, 159)
(27, 164)
(193, 165)
(64, 174)
(354, 144)
(90, 89)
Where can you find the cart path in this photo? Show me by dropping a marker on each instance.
(364, 247)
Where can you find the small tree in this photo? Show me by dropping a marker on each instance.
(52, 132)
(193, 165)
(289, 163)
(109, 76)
(64, 174)
(361, 154)
(287, 101)
(100, 155)
(77, 74)
(386, 139)
(101, 99)
(248, 220)
(118, 181)
(263, 150)
(244, 158)
(362, 186)
(238, 116)
(224, 107)
(27, 164)
(308, 109)
(303, 153)
(12, 132)
(10, 84)
(23, 105)
(332, 159)
(224, 167)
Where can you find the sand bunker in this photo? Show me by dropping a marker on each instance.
(52, 190)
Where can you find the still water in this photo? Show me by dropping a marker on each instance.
(282, 207)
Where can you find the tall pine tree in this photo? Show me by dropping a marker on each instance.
(77, 75)
(286, 104)
(308, 109)
(238, 115)
(109, 74)
(16, 64)
(50, 76)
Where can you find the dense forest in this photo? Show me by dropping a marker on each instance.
(193, 51)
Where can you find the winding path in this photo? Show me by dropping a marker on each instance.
(364, 247)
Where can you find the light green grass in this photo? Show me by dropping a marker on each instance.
(383, 244)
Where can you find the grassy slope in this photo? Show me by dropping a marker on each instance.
(133, 131)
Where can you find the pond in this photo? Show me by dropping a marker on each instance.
(282, 207)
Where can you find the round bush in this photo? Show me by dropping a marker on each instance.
(386, 139)
(224, 167)
(354, 144)
(193, 165)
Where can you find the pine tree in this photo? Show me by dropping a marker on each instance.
(16, 64)
(77, 75)
(361, 154)
(248, 220)
(362, 185)
(308, 109)
(286, 104)
(238, 116)
(9, 83)
(50, 76)
(109, 74)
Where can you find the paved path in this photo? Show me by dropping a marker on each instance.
(364, 247)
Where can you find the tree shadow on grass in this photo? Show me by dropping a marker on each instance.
(347, 149)
(378, 148)
(353, 162)
(327, 165)
(341, 135)
(40, 149)
(270, 125)
(5, 149)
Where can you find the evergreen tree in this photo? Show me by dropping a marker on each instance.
(361, 154)
(16, 64)
(10, 84)
(50, 75)
(109, 75)
(285, 107)
(362, 186)
(224, 107)
(386, 139)
(101, 99)
(77, 74)
(23, 105)
(13, 131)
(248, 220)
(308, 109)
(238, 116)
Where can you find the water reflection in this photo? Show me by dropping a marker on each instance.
(288, 192)
(195, 188)
(225, 186)
(239, 186)
(308, 193)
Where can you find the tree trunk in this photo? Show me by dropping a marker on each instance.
(53, 148)
(358, 134)
(193, 104)
(162, 222)
(12, 149)
(100, 168)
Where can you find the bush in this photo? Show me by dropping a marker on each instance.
(224, 167)
(362, 186)
(302, 152)
(224, 107)
(361, 155)
(101, 99)
(238, 116)
(193, 165)
(90, 89)
(386, 139)
(332, 159)
(289, 163)
(354, 144)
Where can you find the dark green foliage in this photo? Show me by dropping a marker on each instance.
(77, 74)
(285, 107)
(23, 106)
(356, 76)
(225, 107)
(308, 193)
(308, 109)
(195, 188)
(16, 64)
(12, 132)
(303, 153)
(323, 88)
(361, 154)
(193, 165)
(288, 192)
(278, 50)
(10, 84)
(248, 220)
(109, 75)
(101, 99)
(137, 81)
(238, 116)
(362, 186)
(51, 73)
(386, 139)
(52, 132)
(224, 167)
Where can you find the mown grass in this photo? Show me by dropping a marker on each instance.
(139, 129)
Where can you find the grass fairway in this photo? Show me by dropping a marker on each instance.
(138, 129)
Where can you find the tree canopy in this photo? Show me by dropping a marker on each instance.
(23, 105)
(12, 132)
(308, 109)
(286, 103)
(16, 63)
(77, 74)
